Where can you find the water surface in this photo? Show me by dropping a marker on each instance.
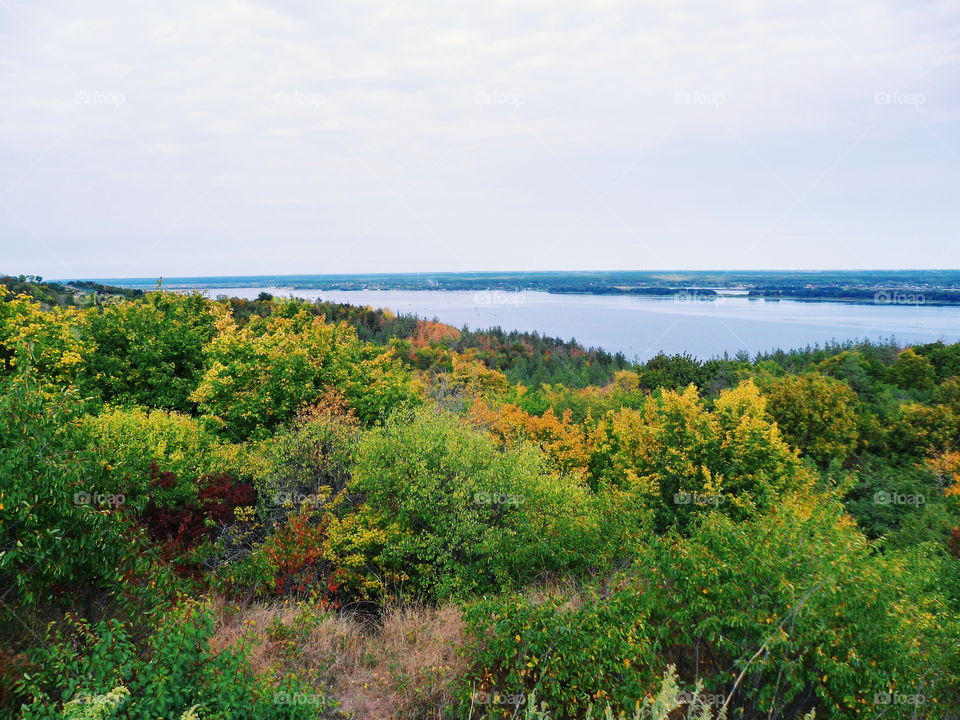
(642, 327)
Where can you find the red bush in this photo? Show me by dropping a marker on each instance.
(180, 529)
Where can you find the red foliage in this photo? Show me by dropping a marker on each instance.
(220, 495)
(179, 529)
(430, 333)
(294, 553)
(953, 542)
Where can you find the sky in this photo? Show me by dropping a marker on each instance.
(233, 137)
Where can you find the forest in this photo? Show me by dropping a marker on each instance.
(276, 509)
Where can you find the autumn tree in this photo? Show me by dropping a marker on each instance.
(816, 414)
(47, 340)
(447, 512)
(561, 439)
(684, 458)
(260, 375)
(913, 371)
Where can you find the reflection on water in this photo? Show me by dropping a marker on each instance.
(642, 327)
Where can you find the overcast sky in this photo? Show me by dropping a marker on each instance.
(236, 137)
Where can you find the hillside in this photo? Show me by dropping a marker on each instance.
(280, 509)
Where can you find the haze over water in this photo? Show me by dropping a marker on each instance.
(642, 327)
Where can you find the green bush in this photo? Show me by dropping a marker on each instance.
(886, 494)
(680, 459)
(62, 536)
(445, 512)
(796, 601)
(176, 673)
(314, 452)
(150, 351)
(261, 375)
(45, 340)
(134, 444)
(816, 414)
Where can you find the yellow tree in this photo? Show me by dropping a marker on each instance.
(816, 414)
(262, 374)
(562, 440)
(46, 339)
(683, 458)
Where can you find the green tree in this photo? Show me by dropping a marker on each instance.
(816, 414)
(259, 376)
(784, 613)
(61, 535)
(150, 351)
(46, 339)
(133, 446)
(683, 459)
(913, 371)
(173, 673)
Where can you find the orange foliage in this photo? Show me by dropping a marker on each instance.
(561, 439)
(429, 332)
(947, 468)
(295, 552)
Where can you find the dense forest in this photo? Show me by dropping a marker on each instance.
(270, 508)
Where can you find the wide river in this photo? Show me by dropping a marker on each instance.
(642, 327)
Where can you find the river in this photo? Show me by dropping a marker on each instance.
(641, 327)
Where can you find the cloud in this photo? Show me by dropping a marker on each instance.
(241, 137)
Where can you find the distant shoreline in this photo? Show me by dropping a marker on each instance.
(895, 287)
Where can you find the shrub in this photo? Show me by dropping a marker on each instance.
(61, 535)
(678, 459)
(446, 512)
(305, 470)
(913, 371)
(181, 526)
(886, 493)
(314, 452)
(918, 430)
(176, 673)
(135, 446)
(45, 340)
(789, 612)
(816, 414)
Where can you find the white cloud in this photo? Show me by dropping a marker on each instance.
(532, 134)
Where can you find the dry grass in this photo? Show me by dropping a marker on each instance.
(553, 590)
(403, 666)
